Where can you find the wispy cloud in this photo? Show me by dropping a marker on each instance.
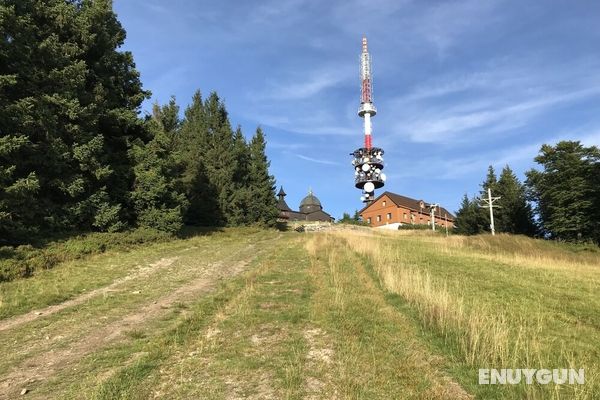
(453, 109)
(445, 23)
(303, 87)
(306, 121)
(448, 127)
(317, 160)
(288, 146)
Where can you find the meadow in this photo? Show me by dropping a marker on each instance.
(346, 314)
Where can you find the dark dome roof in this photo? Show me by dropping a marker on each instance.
(310, 200)
(310, 203)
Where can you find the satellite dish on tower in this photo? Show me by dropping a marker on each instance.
(369, 187)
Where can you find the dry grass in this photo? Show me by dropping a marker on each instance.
(378, 354)
(485, 335)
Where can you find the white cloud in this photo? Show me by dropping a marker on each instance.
(489, 104)
(317, 160)
(304, 87)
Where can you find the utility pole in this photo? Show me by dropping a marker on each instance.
(432, 213)
(489, 203)
(446, 223)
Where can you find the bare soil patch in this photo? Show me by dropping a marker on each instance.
(45, 365)
(44, 312)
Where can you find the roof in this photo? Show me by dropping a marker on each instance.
(310, 200)
(318, 216)
(313, 216)
(282, 205)
(281, 192)
(410, 203)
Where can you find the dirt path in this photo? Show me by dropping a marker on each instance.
(47, 364)
(13, 322)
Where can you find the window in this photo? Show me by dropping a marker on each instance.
(383, 203)
(389, 216)
(379, 218)
(405, 216)
(368, 220)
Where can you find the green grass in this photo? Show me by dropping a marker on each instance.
(355, 314)
(26, 260)
(503, 302)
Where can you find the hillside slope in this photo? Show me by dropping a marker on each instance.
(346, 314)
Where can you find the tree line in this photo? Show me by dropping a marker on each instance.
(559, 200)
(75, 154)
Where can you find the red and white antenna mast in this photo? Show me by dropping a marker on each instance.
(368, 160)
(367, 109)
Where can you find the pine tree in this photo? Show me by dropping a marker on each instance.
(17, 196)
(74, 97)
(167, 117)
(514, 214)
(158, 198)
(240, 197)
(193, 146)
(490, 182)
(566, 191)
(470, 220)
(263, 206)
(220, 161)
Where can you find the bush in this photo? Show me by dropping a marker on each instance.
(419, 227)
(23, 261)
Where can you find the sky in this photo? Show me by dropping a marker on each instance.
(458, 85)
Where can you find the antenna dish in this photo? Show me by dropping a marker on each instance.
(369, 187)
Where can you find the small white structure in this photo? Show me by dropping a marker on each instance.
(394, 226)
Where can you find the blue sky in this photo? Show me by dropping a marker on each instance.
(458, 85)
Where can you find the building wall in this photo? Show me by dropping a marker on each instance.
(384, 211)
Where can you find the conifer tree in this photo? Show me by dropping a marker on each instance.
(74, 98)
(193, 144)
(263, 203)
(220, 161)
(17, 196)
(158, 198)
(470, 220)
(490, 182)
(514, 214)
(240, 197)
(567, 191)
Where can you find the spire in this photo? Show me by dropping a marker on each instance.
(281, 193)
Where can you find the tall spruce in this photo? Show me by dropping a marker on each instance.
(514, 214)
(17, 194)
(470, 219)
(566, 191)
(219, 159)
(158, 198)
(491, 181)
(240, 198)
(70, 100)
(193, 143)
(263, 203)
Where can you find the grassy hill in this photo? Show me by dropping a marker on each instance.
(347, 314)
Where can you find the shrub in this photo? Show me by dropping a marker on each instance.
(23, 261)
